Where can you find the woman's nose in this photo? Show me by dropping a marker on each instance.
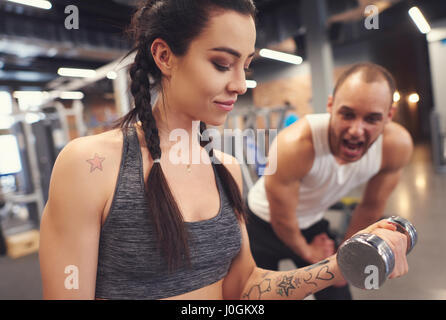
(238, 83)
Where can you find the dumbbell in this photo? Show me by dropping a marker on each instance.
(364, 254)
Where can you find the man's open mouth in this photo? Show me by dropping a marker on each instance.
(352, 145)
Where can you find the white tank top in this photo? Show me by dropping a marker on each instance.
(327, 182)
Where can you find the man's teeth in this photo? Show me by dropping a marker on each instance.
(353, 145)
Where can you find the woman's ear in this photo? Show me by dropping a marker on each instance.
(163, 56)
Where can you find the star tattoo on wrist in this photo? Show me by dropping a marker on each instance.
(96, 162)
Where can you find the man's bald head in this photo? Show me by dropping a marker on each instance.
(369, 73)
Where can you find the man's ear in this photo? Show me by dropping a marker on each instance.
(391, 113)
(330, 104)
(163, 56)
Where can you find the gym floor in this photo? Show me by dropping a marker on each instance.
(420, 197)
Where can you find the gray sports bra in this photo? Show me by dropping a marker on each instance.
(129, 262)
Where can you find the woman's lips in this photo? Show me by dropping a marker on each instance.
(225, 105)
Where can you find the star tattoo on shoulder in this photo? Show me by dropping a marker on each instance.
(96, 162)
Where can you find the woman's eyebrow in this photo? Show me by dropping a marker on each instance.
(231, 51)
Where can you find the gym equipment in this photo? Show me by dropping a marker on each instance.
(438, 140)
(364, 254)
(32, 148)
(244, 121)
(290, 119)
(346, 206)
(23, 243)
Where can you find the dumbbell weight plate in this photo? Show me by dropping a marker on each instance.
(361, 251)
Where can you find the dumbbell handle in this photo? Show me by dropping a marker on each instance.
(407, 228)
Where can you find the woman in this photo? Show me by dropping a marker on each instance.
(124, 222)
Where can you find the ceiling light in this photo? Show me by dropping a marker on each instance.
(414, 98)
(419, 19)
(284, 57)
(112, 75)
(71, 95)
(29, 94)
(42, 4)
(396, 96)
(251, 84)
(79, 73)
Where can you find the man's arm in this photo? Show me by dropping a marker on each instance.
(293, 160)
(397, 152)
(372, 206)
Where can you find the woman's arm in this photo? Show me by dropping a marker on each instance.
(246, 281)
(294, 284)
(71, 223)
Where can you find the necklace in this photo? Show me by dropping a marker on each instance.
(188, 165)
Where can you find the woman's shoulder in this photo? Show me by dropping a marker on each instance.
(99, 147)
(88, 163)
(107, 141)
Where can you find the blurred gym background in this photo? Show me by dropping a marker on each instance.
(61, 77)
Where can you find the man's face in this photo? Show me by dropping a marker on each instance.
(359, 112)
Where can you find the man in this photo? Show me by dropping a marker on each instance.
(319, 160)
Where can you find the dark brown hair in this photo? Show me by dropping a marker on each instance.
(177, 22)
(369, 72)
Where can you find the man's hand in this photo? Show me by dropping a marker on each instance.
(321, 247)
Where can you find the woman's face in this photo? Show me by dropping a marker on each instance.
(206, 82)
